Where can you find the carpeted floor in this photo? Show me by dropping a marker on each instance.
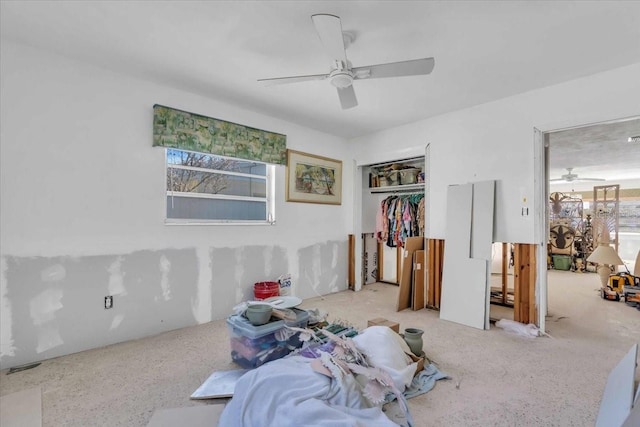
(498, 379)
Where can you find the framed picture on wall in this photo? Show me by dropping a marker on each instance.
(313, 179)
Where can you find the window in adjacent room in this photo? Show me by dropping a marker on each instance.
(206, 188)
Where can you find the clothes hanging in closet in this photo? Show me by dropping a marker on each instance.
(399, 217)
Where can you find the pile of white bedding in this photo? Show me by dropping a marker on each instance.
(288, 392)
(291, 391)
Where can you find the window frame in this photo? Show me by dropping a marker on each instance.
(269, 199)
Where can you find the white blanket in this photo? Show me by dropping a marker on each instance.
(287, 392)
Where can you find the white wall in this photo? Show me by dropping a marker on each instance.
(494, 141)
(82, 207)
(82, 215)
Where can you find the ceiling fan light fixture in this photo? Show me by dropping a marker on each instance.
(341, 78)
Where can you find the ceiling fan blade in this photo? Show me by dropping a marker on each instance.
(329, 30)
(588, 179)
(576, 179)
(413, 67)
(294, 79)
(347, 97)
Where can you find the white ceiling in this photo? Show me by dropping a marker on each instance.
(484, 50)
(600, 150)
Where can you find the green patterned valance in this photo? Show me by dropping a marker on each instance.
(187, 131)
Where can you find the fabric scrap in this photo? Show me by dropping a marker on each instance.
(424, 381)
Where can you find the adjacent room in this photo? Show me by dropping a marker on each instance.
(456, 183)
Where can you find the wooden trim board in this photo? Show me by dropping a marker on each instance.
(524, 283)
(417, 290)
(352, 262)
(399, 264)
(435, 250)
(505, 266)
(380, 261)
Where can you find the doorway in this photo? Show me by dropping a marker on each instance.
(592, 188)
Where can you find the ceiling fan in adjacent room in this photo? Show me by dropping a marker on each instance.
(342, 74)
(573, 177)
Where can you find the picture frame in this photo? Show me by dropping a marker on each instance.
(313, 179)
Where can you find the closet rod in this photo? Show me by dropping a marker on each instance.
(382, 190)
(404, 193)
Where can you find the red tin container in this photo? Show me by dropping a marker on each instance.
(264, 290)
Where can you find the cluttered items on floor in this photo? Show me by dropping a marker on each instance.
(312, 372)
(333, 380)
(622, 286)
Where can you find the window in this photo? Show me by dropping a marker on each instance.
(205, 188)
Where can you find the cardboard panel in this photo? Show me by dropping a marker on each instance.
(633, 420)
(192, 416)
(465, 281)
(617, 398)
(465, 301)
(381, 321)
(482, 220)
(456, 256)
(22, 409)
(370, 259)
(418, 290)
(219, 384)
(404, 293)
(482, 233)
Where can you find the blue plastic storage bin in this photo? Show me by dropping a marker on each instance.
(252, 346)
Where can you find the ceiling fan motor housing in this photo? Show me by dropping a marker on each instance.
(341, 78)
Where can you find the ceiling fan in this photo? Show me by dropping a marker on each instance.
(342, 74)
(573, 177)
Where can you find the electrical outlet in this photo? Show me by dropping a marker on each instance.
(108, 302)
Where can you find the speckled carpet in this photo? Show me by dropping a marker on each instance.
(498, 379)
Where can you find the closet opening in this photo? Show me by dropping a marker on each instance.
(393, 210)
